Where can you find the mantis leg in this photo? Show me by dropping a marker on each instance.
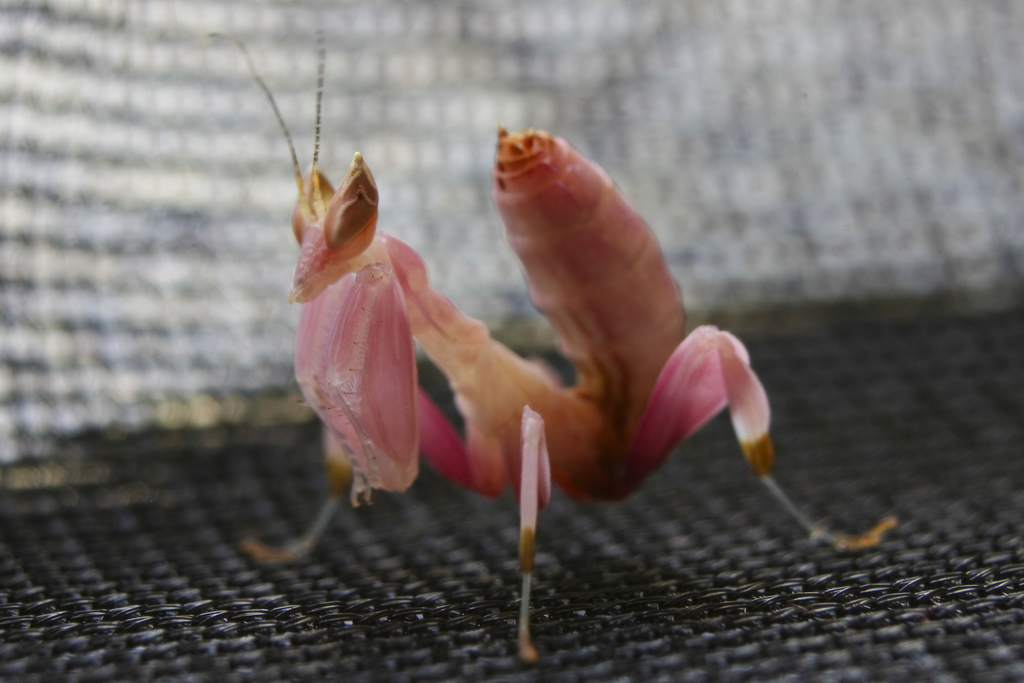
(534, 494)
(477, 464)
(442, 446)
(709, 370)
(338, 466)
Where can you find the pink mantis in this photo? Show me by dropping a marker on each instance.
(594, 269)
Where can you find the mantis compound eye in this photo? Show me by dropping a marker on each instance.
(353, 209)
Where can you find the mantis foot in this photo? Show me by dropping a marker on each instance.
(534, 494)
(300, 547)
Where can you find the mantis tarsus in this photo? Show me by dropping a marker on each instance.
(594, 269)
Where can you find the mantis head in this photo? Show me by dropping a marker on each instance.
(332, 227)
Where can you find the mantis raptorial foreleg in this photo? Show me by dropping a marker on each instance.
(594, 269)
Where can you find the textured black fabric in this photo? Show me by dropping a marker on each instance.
(121, 560)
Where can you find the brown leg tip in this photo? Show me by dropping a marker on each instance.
(527, 652)
(265, 553)
(869, 539)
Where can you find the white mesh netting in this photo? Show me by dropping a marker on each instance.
(784, 152)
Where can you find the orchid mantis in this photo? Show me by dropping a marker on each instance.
(594, 269)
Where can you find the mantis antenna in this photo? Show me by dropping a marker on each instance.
(321, 57)
(307, 210)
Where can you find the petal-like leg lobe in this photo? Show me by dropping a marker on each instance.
(690, 390)
(442, 446)
(709, 370)
(535, 477)
(534, 494)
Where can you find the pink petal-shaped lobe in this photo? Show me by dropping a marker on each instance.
(748, 401)
(709, 370)
(486, 460)
(368, 383)
(535, 482)
(441, 445)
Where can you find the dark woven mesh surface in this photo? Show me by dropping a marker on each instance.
(114, 566)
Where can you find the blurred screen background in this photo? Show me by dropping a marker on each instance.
(798, 154)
